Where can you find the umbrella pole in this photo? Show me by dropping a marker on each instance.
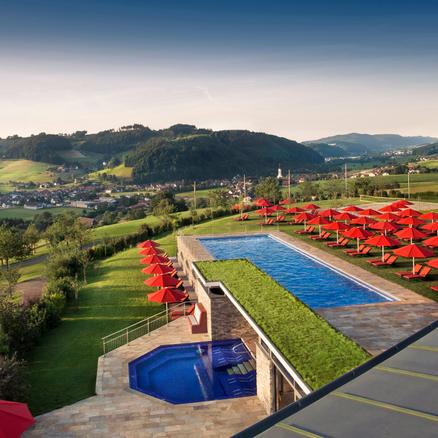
(357, 244)
(383, 253)
(319, 226)
(413, 265)
(167, 313)
(304, 224)
(337, 236)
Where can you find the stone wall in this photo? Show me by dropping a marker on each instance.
(265, 380)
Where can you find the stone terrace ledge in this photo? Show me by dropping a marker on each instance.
(376, 327)
(117, 411)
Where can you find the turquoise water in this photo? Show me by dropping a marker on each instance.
(314, 283)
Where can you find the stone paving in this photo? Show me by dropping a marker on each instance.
(117, 411)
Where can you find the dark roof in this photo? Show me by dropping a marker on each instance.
(395, 394)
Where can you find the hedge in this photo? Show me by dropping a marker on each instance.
(313, 347)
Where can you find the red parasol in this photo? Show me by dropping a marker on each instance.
(330, 212)
(415, 251)
(287, 201)
(347, 217)
(158, 269)
(304, 217)
(386, 227)
(433, 226)
(154, 259)
(433, 263)
(336, 226)
(162, 281)
(294, 210)
(262, 202)
(318, 220)
(411, 221)
(148, 244)
(402, 203)
(363, 220)
(369, 212)
(382, 241)
(167, 295)
(411, 234)
(352, 208)
(430, 216)
(15, 418)
(152, 250)
(389, 217)
(389, 209)
(409, 212)
(432, 241)
(358, 234)
(311, 207)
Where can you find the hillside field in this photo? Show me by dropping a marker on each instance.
(120, 171)
(26, 214)
(23, 171)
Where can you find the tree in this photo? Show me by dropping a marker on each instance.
(269, 188)
(163, 208)
(219, 198)
(12, 245)
(10, 277)
(67, 232)
(32, 237)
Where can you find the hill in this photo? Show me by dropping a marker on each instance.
(355, 143)
(326, 150)
(221, 154)
(429, 149)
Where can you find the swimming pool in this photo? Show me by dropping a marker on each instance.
(196, 372)
(316, 284)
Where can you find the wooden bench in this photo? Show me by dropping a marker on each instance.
(198, 319)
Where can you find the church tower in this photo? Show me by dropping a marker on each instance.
(279, 173)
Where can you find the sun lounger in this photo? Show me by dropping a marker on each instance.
(268, 222)
(434, 288)
(323, 236)
(244, 217)
(424, 272)
(309, 229)
(385, 259)
(365, 251)
(361, 248)
(417, 269)
(342, 242)
(281, 218)
(174, 314)
(391, 260)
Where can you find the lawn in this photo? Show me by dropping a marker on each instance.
(24, 171)
(62, 369)
(120, 171)
(315, 349)
(27, 214)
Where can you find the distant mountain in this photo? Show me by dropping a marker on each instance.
(208, 155)
(371, 143)
(326, 150)
(429, 149)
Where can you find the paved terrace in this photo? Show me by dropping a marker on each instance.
(117, 411)
(376, 327)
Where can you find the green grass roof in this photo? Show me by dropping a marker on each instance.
(312, 346)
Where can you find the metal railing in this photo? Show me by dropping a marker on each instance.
(143, 327)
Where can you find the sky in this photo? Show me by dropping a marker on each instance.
(299, 69)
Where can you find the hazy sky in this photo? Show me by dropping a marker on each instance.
(301, 69)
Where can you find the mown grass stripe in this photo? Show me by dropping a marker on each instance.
(388, 406)
(424, 347)
(297, 430)
(407, 373)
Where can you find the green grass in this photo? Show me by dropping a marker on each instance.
(431, 164)
(314, 348)
(204, 193)
(26, 214)
(62, 368)
(120, 171)
(24, 171)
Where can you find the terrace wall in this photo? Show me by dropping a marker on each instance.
(265, 380)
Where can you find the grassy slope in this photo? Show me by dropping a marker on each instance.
(63, 367)
(26, 214)
(316, 350)
(120, 171)
(24, 171)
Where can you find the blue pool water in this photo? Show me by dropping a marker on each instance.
(188, 373)
(314, 283)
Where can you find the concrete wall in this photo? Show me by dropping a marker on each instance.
(265, 380)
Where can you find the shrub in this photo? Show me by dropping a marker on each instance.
(63, 285)
(13, 385)
(53, 306)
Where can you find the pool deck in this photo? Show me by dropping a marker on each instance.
(375, 327)
(117, 411)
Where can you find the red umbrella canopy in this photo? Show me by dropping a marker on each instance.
(432, 241)
(148, 244)
(304, 217)
(262, 202)
(330, 212)
(431, 216)
(336, 226)
(433, 263)
(287, 201)
(151, 251)
(158, 269)
(311, 207)
(318, 220)
(413, 250)
(236, 207)
(369, 212)
(294, 210)
(387, 227)
(382, 240)
(162, 281)
(167, 295)
(363, 220)
(402, 203)
(345, 216)
(389, 208)
(264, 211)
(389, 217)
(409, 212)
(277, 208)
(411, 221)
(352, 208)
(153, 259)
(410, 233)
(433, 226)
(357, 233)
(15, 418)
